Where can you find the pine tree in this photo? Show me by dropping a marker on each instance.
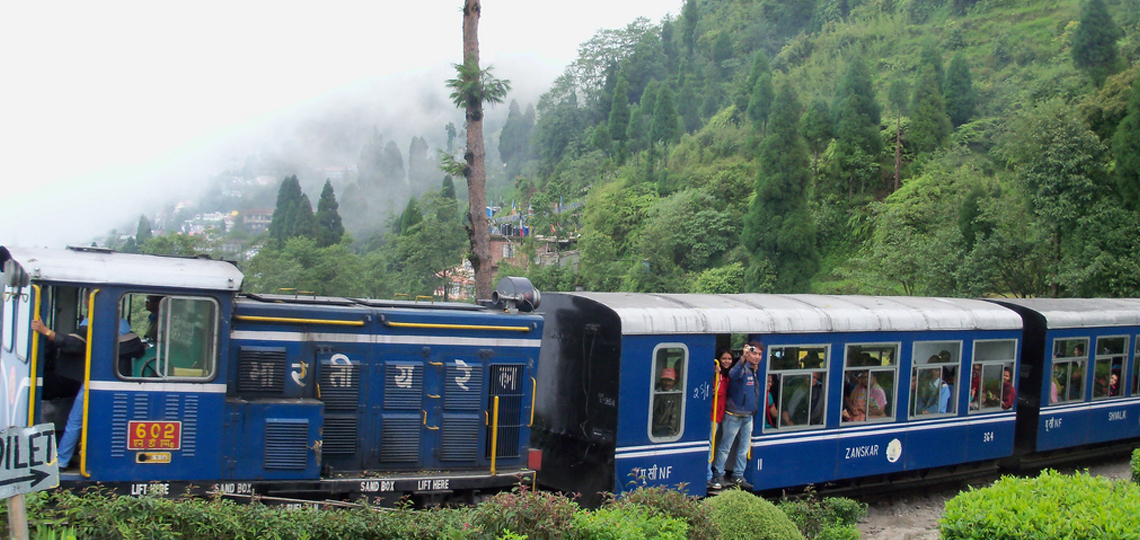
(690, 17)
(929, 125)
(932, 57)
(961, 98)
(760, 93)
(817, 129)
(619, 110)
(857, 116)
(1094, 42)
(293, 214)
(666, 127)
(329, 227)
(420, 170)
(1126, 148)
(779, 227)
(144, 231)
(411, 216)
(637, 133)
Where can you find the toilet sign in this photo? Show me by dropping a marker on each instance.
(28, 460)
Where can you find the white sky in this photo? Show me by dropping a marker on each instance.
(98, 98)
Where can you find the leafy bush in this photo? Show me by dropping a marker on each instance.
(838, 532)
(538, 515)
(1136, 465)
(627, 522)
(1052, 505)
(675, 504)
(816, 518)
(742, 515)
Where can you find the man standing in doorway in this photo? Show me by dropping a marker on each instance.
(740, 406)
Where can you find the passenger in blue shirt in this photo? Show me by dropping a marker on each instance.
(740, 406)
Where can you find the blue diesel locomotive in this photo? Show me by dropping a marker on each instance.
(286, 396)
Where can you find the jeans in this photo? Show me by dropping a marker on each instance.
(715, 434)
(730, 428)
(71, 433)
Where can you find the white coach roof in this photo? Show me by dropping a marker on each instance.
(1083, 312)
(98, 266)
(778, 313)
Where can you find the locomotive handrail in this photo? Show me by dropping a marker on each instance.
(533, 391)
(294, 320)
(35, 361)
(425, 421)
(425, 297)
(494, 435)
(440, 326)
(87, 386)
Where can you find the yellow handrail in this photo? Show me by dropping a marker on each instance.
(425, 421)
(293, 320)
(533, 391)
(456, 326)
(87, 386)
(494, 435)
(35, 362)
(716, 394)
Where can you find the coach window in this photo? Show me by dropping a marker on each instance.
(992, 377)
(181, 334)
(1136, 367)
(934, 377)
(801, 385)
(8, 318)
(667, 405)
(869, 382)
(1070, 357)
(1108, 367)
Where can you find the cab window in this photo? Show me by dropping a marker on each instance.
(992, 381)
(1108, 367)
(1070, 358)
(800, 385)
(667, 401)
(180, 336)
(869, 377)
(934, 377)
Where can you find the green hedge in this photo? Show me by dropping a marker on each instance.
(1053, 506)
(1136, 465)
(744, 516)
(830, 518)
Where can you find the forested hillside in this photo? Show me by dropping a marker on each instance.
(928, 147)
(896, 147)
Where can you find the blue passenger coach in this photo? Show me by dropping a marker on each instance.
(942, 375)
(274, 395)
(1079, 373)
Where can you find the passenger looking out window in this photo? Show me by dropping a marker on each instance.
(1069, 364)
(992, 383)
(1108, 366)
(933, 377)
(667, 403)
(798, 375)
(869, 380)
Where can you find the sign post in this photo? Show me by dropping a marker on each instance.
(28, 463)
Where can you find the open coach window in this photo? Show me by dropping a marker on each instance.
(1070, 356)
(801, 384)
(934, 377)
(1108, 370)
(869, 382)
(992, 377)
(667, 401)
(180, 333)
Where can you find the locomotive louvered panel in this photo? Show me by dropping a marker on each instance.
(261, 370)
(190, 426)
(463, 386)
(120, 413)
(340, 386)
(459, 438)
(506, 383)
(339, 435)
(403, 385)
(400, 440)
(286, 444)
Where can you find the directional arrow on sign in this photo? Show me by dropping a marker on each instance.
(36, 476)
